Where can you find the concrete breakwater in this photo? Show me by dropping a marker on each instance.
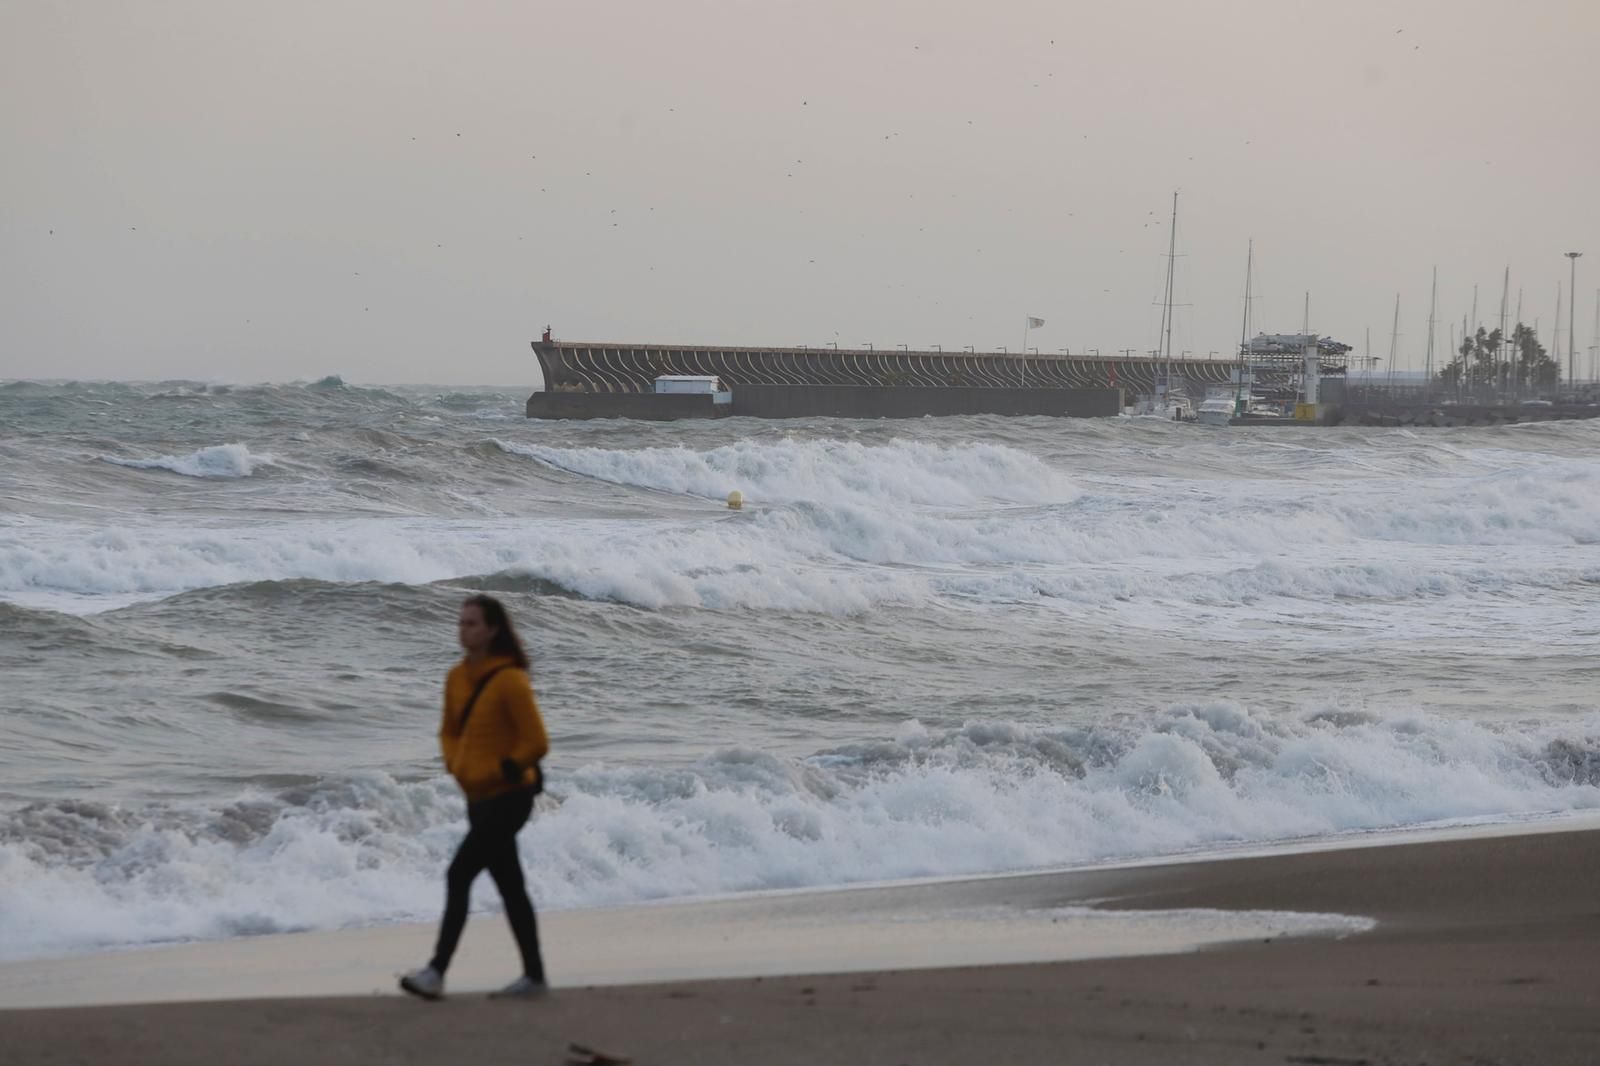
(1458, 414)
(591, 380)
(1371, 403)
(831, 401)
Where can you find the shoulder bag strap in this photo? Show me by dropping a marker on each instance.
(466, 712)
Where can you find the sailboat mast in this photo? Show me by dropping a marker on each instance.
(1594, 342)
(1461, 374)
(1249, 270)
(1244, 327)
(1516, 345)
(1433, 306)
(1166, 314)
(1500, 349)
(1555, 334)
(1394, 339)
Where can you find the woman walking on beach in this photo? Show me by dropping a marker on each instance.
(493, 739)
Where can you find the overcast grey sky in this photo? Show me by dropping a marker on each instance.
(401, 191)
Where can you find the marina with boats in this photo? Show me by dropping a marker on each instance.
(1289, 379)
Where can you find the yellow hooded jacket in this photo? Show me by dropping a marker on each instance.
(505, 724)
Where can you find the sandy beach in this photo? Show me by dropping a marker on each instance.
(795, 534)
(1483, 952)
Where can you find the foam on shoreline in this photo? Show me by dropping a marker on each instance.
(1029, 917)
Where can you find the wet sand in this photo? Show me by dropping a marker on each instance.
(1487, 951)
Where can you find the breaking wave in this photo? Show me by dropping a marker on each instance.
(217, 461)
(986, 797)
(824, 470)
(847, 555)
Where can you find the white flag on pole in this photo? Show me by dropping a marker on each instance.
(1034, 323)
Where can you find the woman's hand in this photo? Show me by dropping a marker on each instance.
(511, 772)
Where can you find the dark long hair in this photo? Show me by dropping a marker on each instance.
(505, 640)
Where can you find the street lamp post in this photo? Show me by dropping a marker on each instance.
(1572, 303)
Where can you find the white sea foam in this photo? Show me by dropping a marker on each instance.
(217, 461)
(825, 471)
(828, 560)
(986, 797)
(1401, 570)
(840, 527)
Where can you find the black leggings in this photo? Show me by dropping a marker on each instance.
(491, 844)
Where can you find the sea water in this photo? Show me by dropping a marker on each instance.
(924, 648)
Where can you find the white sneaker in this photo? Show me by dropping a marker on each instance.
(426, 982)
(522, 988)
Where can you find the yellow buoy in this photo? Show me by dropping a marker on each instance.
(735, 500)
